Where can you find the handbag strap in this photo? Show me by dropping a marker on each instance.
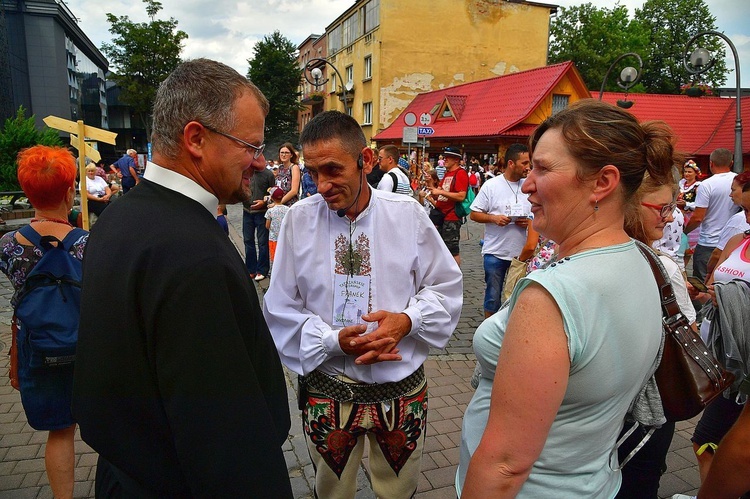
(669, 307)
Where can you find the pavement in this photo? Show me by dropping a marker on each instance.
(448, 371)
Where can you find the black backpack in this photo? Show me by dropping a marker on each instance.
(47, 305)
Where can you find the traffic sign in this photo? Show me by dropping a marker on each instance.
(425, 119)
(410, 135)
(410, 119)
(425, 130)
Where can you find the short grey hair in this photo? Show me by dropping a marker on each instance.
(197, 90)
(131, 151)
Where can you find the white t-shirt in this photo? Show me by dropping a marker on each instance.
(386, 182)
(669, 244)
(499, 196)
(713, 194)
(736, 224)
(96, 186)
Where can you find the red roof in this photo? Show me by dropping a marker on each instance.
(701, 124)
(491, 107)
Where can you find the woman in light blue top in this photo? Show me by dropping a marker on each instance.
(580, 337)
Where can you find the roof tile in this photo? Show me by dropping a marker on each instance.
(491, 107)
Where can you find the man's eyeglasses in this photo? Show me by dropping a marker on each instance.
(257, 151)
(664, 209)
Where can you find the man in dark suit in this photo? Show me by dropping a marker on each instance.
(178, 386)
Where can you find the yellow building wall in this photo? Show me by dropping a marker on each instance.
(432, 44)
(424, 45)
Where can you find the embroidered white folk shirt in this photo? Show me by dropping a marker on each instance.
(397, 263)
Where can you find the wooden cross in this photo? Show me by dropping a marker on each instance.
(76, 130)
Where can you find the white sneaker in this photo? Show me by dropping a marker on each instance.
(683, 496)
(259, 277)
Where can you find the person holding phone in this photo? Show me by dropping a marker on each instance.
(505, 212)
(720, 415)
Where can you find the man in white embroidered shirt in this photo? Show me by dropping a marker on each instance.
(363, 287)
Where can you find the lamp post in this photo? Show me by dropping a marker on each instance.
(314, 75)
(700, 61)
(627, 78)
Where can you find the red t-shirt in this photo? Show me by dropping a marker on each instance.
(447, 184)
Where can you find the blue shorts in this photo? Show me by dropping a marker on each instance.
(494, 277)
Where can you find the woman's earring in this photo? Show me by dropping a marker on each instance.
(596, 205)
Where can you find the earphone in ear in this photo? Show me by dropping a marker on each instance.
(360, 162)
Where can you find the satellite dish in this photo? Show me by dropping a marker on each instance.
(349, 86)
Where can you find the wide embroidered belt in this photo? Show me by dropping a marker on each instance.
(362, 393)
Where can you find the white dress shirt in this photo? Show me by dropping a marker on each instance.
(409, 268)
(180, 183)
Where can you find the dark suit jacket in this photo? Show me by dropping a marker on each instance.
(177, 380)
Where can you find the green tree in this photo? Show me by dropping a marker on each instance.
(593, 38)
(275, 71)
(142, 56)
(19, 133)
(669, 24)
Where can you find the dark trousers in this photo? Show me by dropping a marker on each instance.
(255, 224)
(701, 255)
(127, 184)
(112, 483)
(640, 477)
(97, 207)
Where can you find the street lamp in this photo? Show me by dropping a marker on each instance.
(628, 77)
(312, 70)
(701, 61)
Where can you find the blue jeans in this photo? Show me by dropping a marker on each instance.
(252, 224)
(494, 277)
(701, 256)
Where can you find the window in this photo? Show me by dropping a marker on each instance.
(350, 29)
(372, 15)
(333, 83)
(368, 67)
(559, 102)
(349, 74)
(334, 40)
(367, 113)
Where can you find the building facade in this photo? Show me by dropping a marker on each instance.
(389, 51)
(483, 118)
(48, 65)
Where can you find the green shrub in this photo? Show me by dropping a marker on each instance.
(19, 133)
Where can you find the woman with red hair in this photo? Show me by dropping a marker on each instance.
(47, 177)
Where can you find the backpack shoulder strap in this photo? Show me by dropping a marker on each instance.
(395, 181)
(73, 236)
(32, 235)
(37, 239)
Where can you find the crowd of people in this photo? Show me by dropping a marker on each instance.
(181, 390)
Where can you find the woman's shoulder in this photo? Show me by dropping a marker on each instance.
(737, 240)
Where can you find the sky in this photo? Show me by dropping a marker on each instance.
(227, 30)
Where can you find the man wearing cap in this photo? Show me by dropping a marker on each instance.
(504, 210)
(254, 224)
(452, 190)
(362, 288)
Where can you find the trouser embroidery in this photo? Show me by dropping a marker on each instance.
(335, 427)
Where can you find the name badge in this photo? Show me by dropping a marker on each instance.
(351, 297)
(517, 210)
